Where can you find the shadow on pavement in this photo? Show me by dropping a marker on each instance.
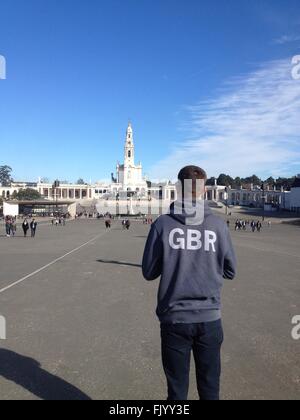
(119, 263)
(27, 373)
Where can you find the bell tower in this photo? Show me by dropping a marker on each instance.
(129, 147)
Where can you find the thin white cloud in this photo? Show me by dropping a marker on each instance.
(252, 126)
(286, 39)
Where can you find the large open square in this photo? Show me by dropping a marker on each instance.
(81, 320)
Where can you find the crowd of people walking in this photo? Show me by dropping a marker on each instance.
(11, 227)
(245, 225)
(58, 221)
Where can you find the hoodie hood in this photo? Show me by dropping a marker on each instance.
(189, 213)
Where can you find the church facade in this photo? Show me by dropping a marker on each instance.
(130, 182)
(130, 175)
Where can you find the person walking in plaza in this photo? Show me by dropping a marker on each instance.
(128, 224)
(108, 223)
(236, 225)
(25, 227)
(33, 227)
(8, 227)
(259, 226)
(191, 250)
(14, 226)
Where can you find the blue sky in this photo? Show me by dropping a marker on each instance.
(203, 82)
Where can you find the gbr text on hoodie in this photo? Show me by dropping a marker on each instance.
(192, 260)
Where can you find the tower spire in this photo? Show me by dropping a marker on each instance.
(129, 147)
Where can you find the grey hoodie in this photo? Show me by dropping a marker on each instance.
(193, 260)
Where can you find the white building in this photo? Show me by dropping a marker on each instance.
(129, 175)
(130, 182)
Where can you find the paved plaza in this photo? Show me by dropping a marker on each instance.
(81, 320)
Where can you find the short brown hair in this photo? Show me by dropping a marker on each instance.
(193, 173)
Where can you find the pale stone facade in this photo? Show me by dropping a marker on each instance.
(129, 175)
(130, 182)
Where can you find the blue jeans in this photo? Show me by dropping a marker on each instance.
(205, 341)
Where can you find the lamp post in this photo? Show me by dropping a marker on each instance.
(226, 200)
(55, 187)
(263, 200)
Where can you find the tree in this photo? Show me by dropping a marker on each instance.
(286, 183)
(252, 180)
(211, 181)
(225, 180)
(5, 175)
(80, 182)
(237, 183)
(27, 194)
(270, 181)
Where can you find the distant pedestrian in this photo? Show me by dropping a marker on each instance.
(228, 224)
(128, 224)
(258, 226)
(33, 227)
(8, 226)
(14, 226)
(25, 227)
(108, 223)
(236, 225)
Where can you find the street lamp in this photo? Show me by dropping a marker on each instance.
(263, 200)
(55, 187)
(226, 199)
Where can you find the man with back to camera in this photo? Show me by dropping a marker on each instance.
(191, 249)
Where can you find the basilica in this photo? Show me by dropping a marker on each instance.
(129, 175)
(129, 183)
